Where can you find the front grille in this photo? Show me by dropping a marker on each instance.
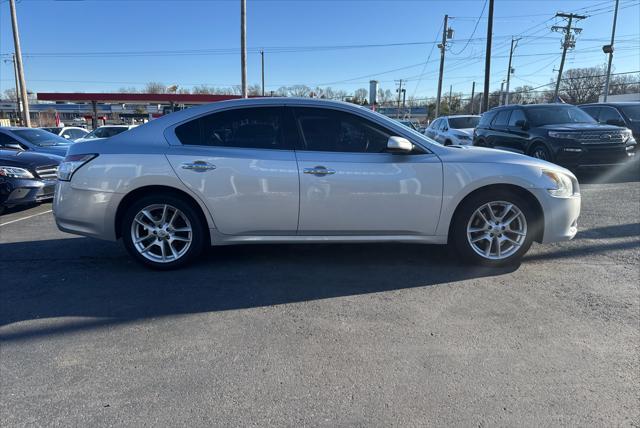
(601, 137)
(48, 172)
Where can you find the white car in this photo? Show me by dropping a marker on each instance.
(106, 131)
(270, 170)
(453, 130)
(71, 133)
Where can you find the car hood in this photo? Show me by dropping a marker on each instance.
(474, 154)
(26, 159)
(53, 150)
(82, 140)
(581, 127)
(463, 131)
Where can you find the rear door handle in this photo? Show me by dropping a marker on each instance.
(319, 171)
(198, 166)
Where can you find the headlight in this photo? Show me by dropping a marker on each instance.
(463, 137)
(71, 164)
(14, 172)
(627, 135)
(563, 185)
(564, 135)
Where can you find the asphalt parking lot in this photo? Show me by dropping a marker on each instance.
(349, 335)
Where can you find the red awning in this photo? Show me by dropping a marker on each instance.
(133, 98)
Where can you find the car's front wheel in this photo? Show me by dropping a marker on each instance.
(493, 228)
(163, 232)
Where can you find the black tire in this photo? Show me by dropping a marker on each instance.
(199, 234)
(480, 143)
(540, 151)
(463, 217)
(447, 142)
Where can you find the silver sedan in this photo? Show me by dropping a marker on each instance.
(291, 170)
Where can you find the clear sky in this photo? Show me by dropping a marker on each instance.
(83, 46)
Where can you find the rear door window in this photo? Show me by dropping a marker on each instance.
(516, 115)
(609, 113)
(244, 128)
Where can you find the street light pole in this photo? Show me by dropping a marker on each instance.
(262, 62)
(514, 44)
(243, 46)
(487, 60)
(15, 75)
(18, 58)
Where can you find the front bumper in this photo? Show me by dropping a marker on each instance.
(586, 155)
(560, 216)
(20, 191)
(85, 212)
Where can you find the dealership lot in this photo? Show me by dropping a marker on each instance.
(324, 335)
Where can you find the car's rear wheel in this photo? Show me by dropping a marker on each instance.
(163, 232)
(493, 228)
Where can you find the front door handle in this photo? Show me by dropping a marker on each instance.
(319, 171)
(198, 166)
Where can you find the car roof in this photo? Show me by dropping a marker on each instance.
(462, 115)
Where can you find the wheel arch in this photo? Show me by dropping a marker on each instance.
(525, 194)
(139, 192)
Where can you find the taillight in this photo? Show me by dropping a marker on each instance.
(72, 163)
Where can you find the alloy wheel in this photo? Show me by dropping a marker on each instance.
(161, 233)
(497, 230)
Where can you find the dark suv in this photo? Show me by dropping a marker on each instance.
(559, 133)
(625, 114)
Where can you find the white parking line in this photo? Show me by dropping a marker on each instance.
(25, 218)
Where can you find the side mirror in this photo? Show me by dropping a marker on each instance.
(522, 124)
(616, 122)
(399, 145)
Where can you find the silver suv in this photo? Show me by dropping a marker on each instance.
(274, 170)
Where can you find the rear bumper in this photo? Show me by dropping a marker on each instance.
(16, 191)
(85, 212)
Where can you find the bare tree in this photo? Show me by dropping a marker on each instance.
(360, 96)
(129, 90)
(11, 94)
(582, 85)
(155, 88)
(255, 89)
(299, 91)
(625, 84)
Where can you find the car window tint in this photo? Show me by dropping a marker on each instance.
(502, 118)
(486, 118)
(516, 115)
(6, 139)
(444, 124)
(252, 128)
(592, 111)
(609, 113)
(434, 125)
(335, 131)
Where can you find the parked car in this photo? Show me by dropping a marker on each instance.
(625, 114)
(26, 177)
(559, 133)
(106, 131)
(71, 133)
(269, 170)
(450, 130)
(32, 139)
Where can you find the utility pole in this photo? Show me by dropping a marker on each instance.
(473, 92)
(500, 98)
(399, 90)
(442, 47)
(609, 49)
(262, 61)
(243, 46)
(15, 75)
(450, 92)
(487, 60)
(568, 42)
(18, 62)
(510, 70)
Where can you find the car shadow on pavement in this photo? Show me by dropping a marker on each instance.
(80, 277)
(614, 231)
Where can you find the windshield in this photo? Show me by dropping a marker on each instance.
(632, 112)
(54, 130)
(408, 123)
(40, 137)
(464, 122)
(552, 115)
